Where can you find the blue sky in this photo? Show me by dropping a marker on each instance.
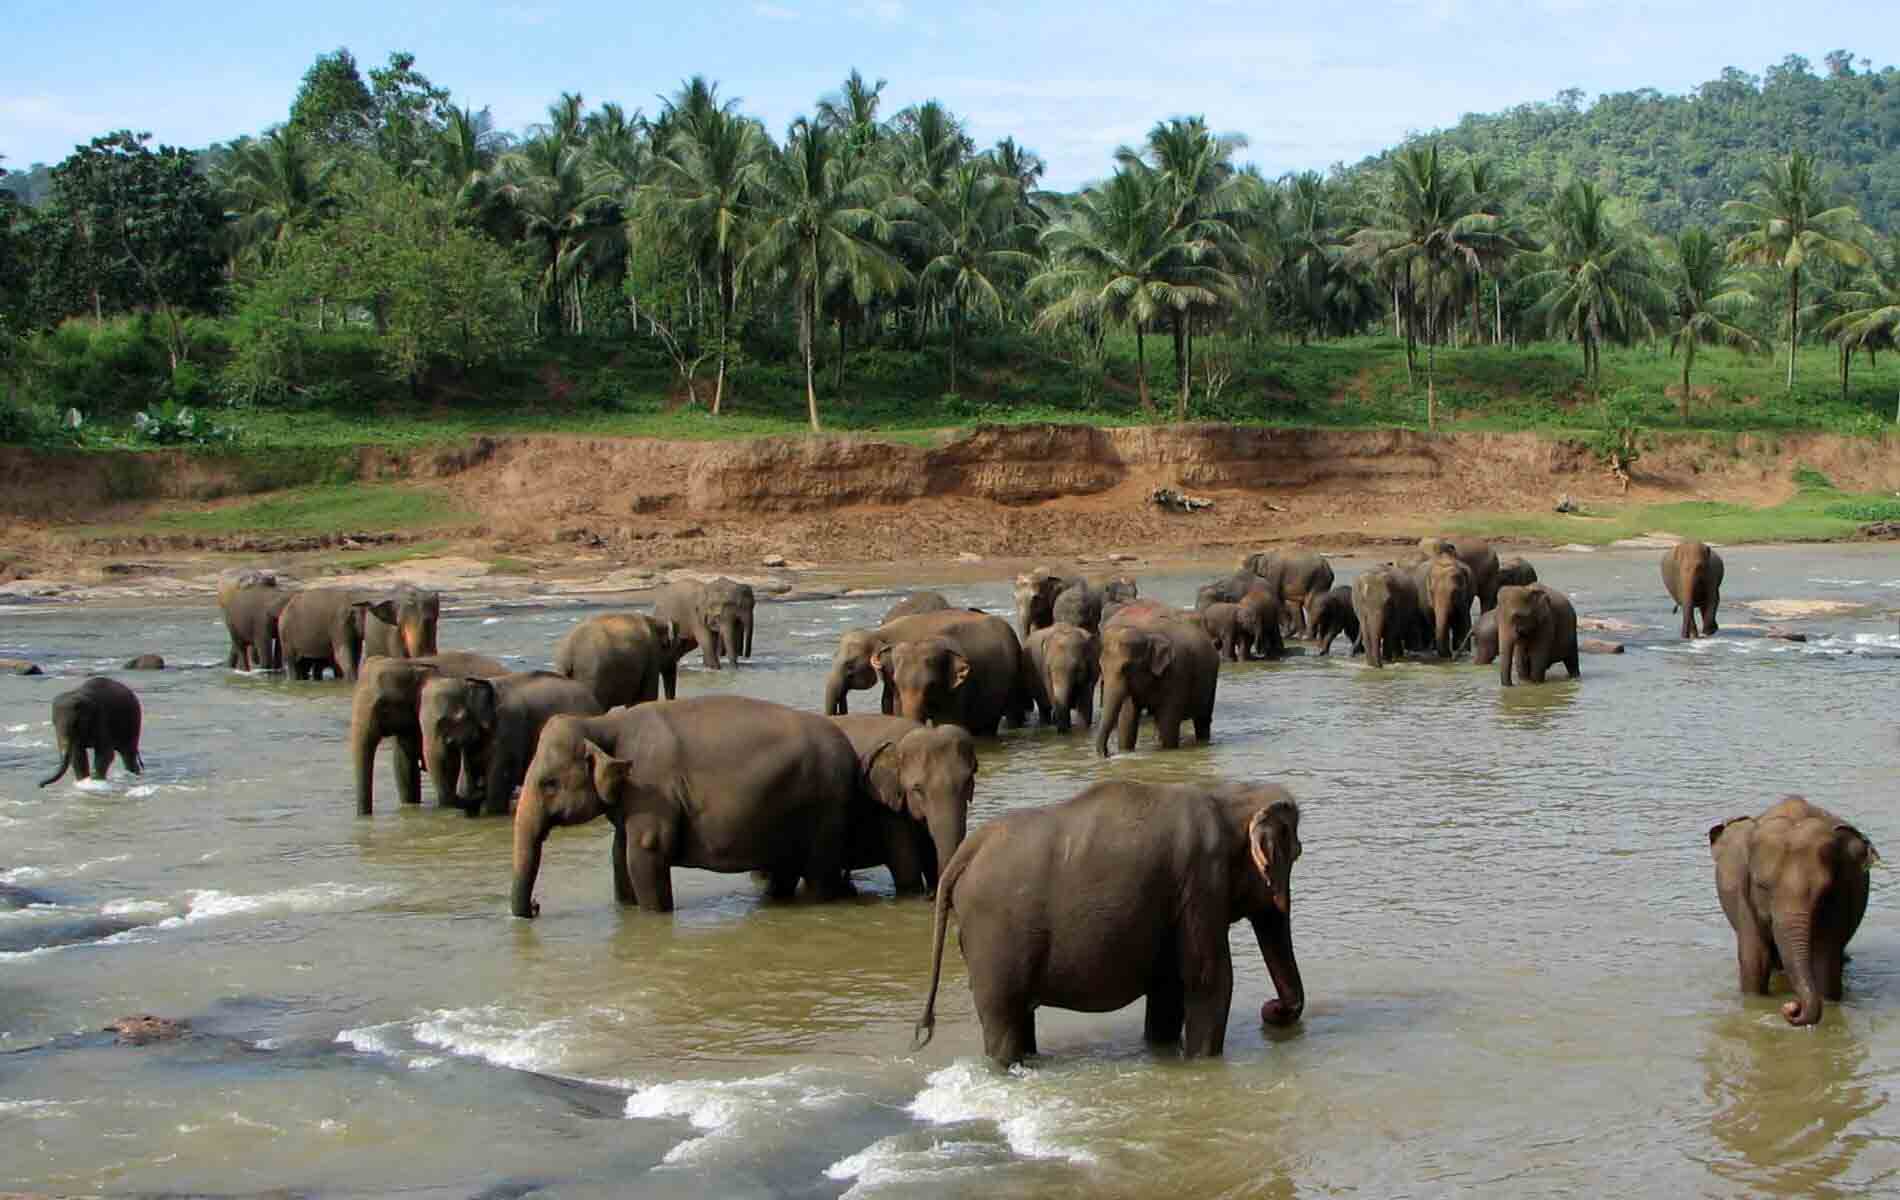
(1307, 84)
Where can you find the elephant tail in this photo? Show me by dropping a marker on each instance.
(66, 760)
(927, 1024)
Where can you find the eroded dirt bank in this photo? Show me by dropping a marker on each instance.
(997, 492)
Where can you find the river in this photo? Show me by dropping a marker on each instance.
(1518, 980)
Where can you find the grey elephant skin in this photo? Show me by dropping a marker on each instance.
(101, 716)
(722, 783)
(914, 603)
(1537, 628)
(963, 668)
(1445, 593)
(1129, 890)
(403, 624)
(322, 629)
(1793, 884)
(479, 734)
(915, 808)
(1329, 614)
(1484, 640)
(251, 614)
(1062, 664)
(1516, 572)
(1157, 661)
(1231, 630)
(387, 703)
(1693, 574)
(1291, 578)
(716, 616)
(1035, 595)
(1391, 621)
(623, 658)
(1475, 553)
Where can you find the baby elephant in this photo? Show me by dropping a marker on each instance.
(101, 715)
(1062, 662)
(1537, 628)
(1329, 614)
(1693, 574)
(1793, 883)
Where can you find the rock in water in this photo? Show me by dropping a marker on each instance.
(19, 666)
(144, 1029)
(146, 662)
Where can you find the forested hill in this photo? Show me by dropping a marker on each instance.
(1677, 158)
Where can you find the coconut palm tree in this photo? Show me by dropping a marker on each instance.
(464, 157)
(1023, 167)
(929, 142)
(276, 186)
(706, 179)
(973, 245)
(1594, 282)
(1872, 319)
(818, 223)
(563, 205)
(1706, 290)
(1788, 218)
(851, 113)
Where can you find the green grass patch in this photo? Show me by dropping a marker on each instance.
(363, 560)
(328, 509)
(504, 565)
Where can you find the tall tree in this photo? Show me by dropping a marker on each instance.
(1594, 282)
(1872, 319)
(464, 156)
(1705, 291)
(562, 207)
(406, 114)
(973, 246)
(1788, 218)
(333, 106)
(275, 187)
(851, 113)
(819, 222)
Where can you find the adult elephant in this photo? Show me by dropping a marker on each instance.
(101, 716)
(915, 808)
(1062, 665)
(387, 703)
(489, 726)
(322, 629)
(722, 783)
(250, 618)
(1329, 614)
(1291, 578)
(1793, 884)
(1123, 892)
(730, 608)
(963, 668)
(1035, 598)
(714, 616)
(1443, 583)
(1693, 574)
(1475, 553)
(403, 624)
(1080, 605)
(914, 603)
(1160, 663)
(1385, 600)
(1516, 572)
(1537, 627)
(623, 658)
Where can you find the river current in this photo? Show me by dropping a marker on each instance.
(1519, 982)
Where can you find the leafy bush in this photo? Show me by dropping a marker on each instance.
(1807, 477)
(1865, 510)
(172, 424)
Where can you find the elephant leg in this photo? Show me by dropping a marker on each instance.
(889, 701)
(1570, 661)
(652, 878)
(129, 755)
(1207, 961)
(1166, 1005)
(408, 765)
(1708, 617)
(670, 678)
(624, 894)
(1009, 1024)
(1204, 726)
(783, 883)
(905, 857)
(1754, 956)
(1168, 727)
(1086, 707)
(1045, 714)
(1130, 720)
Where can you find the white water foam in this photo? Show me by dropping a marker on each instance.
(98, 787)
(135, 908)
(728, 1108)
(208, 904)
(897, 1161)
(495, 1035)
(59, 870)
(1028, 1117)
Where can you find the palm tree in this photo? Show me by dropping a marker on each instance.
(819, 223)
(851, 113)
(707, 176)
(275, 187)
(1023, 167)
(1593, 281)
(1493, 190)
(464, 156)
(562, 204)
(1789, 218)
(929, 142)
(1872, 322)
(1118, 257)
(1705, 291)
(973, 238)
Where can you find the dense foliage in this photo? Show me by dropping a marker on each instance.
(384, 227)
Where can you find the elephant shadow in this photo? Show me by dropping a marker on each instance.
(1789, 1118)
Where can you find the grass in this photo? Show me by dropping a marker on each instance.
(363, 560)
(325, 509)
(1816, 512)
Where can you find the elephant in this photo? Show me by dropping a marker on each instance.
(1793, 884)
(722, 783)
(1329, 614)
(1062, 663)
(1035, 597)
(403, 624)
(851, 668)
(1443, 583)
(1385, 600)
(145, 662)
(1475, 553)
(1537, 626)
(1693, 574)
(489, 726)
(102, 716)
(914, 603)
(1516, 572)
(1160, 663)
(1260, 616)
(715, 616)
(1484, 640)
(1080, 604)
(1122, 892)
(251, 614)
(623, 658)
(1230, 589)
(1231, 629)
(915, 808)
(387, 702)
(322, 628)
(1291, 578)
(19, 666)
(231, 581)
(959, 667)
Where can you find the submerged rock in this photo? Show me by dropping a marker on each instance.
(144, 1029)
(19, 666)
(146, 662)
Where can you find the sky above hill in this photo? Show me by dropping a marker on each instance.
(1309, 85)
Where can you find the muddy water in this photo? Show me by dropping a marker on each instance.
(1519, 982)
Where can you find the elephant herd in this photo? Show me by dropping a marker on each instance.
(1056, 904)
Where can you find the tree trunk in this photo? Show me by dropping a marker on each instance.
(837, 370)
(806, 320)
(1180, 354)
(1498, 338)
(1431, 352)
(1688, 356)
(1141, 371)
(1794, 319)
(953, 355)
(1477, 311)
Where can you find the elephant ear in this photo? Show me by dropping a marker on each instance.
(382, 610)
(959, 670)
(610, 773)
(1856, 848)
(481, 701)
(1721, 827)
(892, 799)
(1260, 842)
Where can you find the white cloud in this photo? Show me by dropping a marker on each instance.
(774, 12)
(888, 12)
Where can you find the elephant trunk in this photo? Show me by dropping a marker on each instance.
(1114, 695)
(1375, 641)
(1441, 629)
(732, 638)
(1061, 696)
(1025, 619)
(914, 703)
(531, 829)
(947, 829)
(443, 762)
(1792, 932)
(1273, 930)
(1507, 653)
(66, 745)
(363, 741)
(835, 691)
